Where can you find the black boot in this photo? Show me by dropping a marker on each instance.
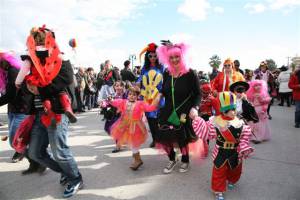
(33, 167)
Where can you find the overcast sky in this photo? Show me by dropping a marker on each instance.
(250, 31)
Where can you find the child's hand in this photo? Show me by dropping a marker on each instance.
(193, 113)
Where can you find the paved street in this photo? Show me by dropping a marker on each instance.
(272, 173)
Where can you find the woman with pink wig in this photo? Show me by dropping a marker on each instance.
(258, 95)
(182, 96)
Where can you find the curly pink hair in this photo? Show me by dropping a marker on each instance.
(13, 61)
(164, 53)
(263, 92)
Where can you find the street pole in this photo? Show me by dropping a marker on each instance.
(132, 57)
(288, 62)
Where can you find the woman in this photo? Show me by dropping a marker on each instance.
(284, 90)
(225, 78)
(182, 96)
(109, 77)
(9, 68)
(294, 84)
(151, 84)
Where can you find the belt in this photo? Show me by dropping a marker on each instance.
(227, 145)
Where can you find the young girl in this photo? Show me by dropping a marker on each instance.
(110, 113)
(232, 143)
(259, 97)
(130, 128)
(41, 66)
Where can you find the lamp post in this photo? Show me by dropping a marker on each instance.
(132, 57)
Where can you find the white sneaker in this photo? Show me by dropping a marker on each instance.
(169, 168)
(184, 167)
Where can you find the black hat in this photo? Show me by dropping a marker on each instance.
(239, 84)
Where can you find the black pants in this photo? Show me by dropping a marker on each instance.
(79, 98)
(152, 122)
(285, 96)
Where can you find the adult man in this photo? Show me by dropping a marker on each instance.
(126, 73)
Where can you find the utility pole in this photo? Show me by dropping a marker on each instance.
(288, 61)
(132, 57)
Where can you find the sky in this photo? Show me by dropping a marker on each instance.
(247, 30)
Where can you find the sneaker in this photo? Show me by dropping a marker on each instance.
(16, 157)
(184, 167)
(72, 188)
(297, 125)
(169, 168)
(219, 196)
(230, 186)
(63, 180)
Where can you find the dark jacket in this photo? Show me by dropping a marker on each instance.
(127, 75)
(59, 84)
(13, 97)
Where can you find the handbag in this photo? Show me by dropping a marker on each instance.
(173, 118)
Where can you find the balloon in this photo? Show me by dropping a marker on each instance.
(73, 43)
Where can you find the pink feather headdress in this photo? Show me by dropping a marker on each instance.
(168, 49)
(13, 62)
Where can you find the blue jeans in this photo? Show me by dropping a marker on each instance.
(14, 120)
(297, 112)
(62, 160)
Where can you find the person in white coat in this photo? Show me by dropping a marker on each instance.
(284, 90)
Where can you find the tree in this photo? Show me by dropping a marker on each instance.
(271, 64)
(215, 61)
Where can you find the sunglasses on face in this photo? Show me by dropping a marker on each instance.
(227, 65)
(152, 56)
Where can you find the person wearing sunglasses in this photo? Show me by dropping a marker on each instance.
(150, 81)
(244, 108)
(225, 78)
(232, 137)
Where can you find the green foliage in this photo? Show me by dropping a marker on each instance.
(215, 61)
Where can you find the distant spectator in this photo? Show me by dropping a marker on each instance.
(126, 73)
(237, 66)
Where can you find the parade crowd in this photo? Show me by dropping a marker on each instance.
(182, 109)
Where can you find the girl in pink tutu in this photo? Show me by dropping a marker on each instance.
(130, 129)
(259, 97)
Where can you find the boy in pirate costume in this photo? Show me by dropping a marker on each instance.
(232, 143)
(41, 66)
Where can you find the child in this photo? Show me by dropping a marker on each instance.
(244, 108)
(208, 107)
(42, 66)
(232, 143)
(130, 128)
(259, 97)
(110, 113)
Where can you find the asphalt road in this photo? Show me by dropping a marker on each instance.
(272, 173)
